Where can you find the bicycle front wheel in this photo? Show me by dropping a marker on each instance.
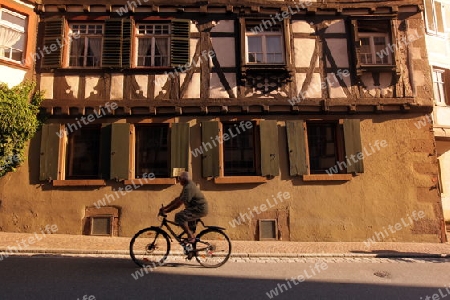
(213, 248)
(150, 247)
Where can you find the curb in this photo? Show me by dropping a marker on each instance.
(233, 255)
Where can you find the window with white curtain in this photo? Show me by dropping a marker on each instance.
(153, 41)
(264, 47)
(437, 16)
(86, 45)
(12, 35)
(439, 86)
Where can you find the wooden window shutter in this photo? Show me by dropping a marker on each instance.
(210, 157)
(105, 148)
(179, 42)
(48, 168)
(243, 50)
(117, 43)
(120, 151)
(353, 146)
(269, 148)
(53, 35)
(298, 164)
(179, 146)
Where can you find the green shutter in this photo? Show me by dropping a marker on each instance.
(53, 35)
(48, 169)
(105, 148)
(127, 27)
(353, 146)
(112, 44)
(298, 164)
(179, 146)
(120, 151)
(269, 148)
(210, 158)
(179, 42)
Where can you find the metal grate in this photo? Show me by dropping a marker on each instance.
(268, 229)
(101, 225)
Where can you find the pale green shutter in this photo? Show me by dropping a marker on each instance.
(120, 151)
(269, 148)
(353, 146)
(298, 164)
(210, 158)
(48, 168)
(179, 146)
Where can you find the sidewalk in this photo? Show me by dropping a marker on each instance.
(65, 244)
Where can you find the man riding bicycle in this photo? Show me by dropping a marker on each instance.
(194, 202)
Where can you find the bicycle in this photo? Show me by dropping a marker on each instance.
(150, 246)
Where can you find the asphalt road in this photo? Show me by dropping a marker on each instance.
(111, 278)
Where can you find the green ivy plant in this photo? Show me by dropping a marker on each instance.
(19, 121)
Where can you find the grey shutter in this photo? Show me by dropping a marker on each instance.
(179, 146)
(179, 42)
(298, 164)
(269, 148)
(53, 35)
(49, 155)
(105, 148)
(352, 138)
(210, 158)
(116, 51)
(120, 151)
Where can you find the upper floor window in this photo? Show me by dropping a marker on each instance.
(437, 15)
(86, 45)
(12, 35)
(153, 45)
(439, 86)
(265, 46)
(375, 47)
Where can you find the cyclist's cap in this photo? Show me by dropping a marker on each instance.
(185, 176)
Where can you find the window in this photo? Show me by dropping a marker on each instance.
(86, 45)
(437, 14)
(153, 45)
(325, 150)
(439, 86)
(152, 150)
(233, 152)
(83, 153)
(239, 152)
(264, 47)
(323, 147)
(12, 35)
(374, 43)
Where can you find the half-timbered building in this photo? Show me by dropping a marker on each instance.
(296, 119)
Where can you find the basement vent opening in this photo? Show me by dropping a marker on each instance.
(101, 225)
(268, 229)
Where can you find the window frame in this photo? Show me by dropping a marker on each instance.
(443, 97)
(444, 11)
(23, 30)
(153, 37)
(373, 51)
(264, 35)
(86, 37)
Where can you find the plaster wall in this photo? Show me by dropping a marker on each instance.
(399, 179)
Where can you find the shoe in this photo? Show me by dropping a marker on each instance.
(190, 255)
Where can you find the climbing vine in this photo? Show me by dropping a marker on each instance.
(19, 121)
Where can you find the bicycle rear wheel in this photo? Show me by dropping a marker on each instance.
(213, 248)
(150, 247)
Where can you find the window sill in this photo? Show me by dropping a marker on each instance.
(239, 179)
(326, 177)
(150, 181)
(14, 63)
(80, 182)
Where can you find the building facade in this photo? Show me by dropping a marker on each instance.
(437, 16)
(298, 120)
